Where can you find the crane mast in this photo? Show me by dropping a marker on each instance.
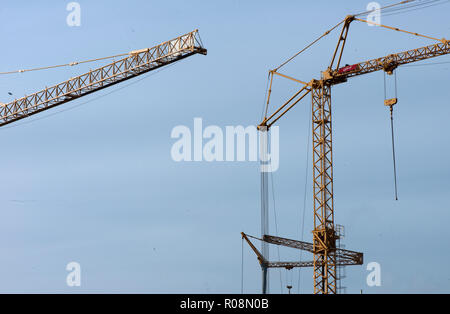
(326, 255)
(324, 235)
(136, 63)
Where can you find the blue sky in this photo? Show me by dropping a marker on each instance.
(97, 185)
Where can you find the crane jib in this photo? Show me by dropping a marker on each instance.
(390, 62)
(136, 63)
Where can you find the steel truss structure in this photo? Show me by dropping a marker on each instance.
(136, 63)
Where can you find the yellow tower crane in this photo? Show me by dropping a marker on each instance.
(134, 64)
(326, 255)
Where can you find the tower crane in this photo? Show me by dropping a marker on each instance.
(326, 255)
(134, 64)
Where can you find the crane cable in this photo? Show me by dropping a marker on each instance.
(92, 99)
(386, 7)
(401, 30)
(266, 105)
(305, 191)
(328, 32)
(270, 75)
(64, 65)
(414, 7)
(391, 109)
(242, 266)
(308, 46)
(393, 156)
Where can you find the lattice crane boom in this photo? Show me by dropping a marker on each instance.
(343, 257)
(136, 63)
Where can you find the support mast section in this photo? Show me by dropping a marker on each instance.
(324, 236)
(138, 62)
